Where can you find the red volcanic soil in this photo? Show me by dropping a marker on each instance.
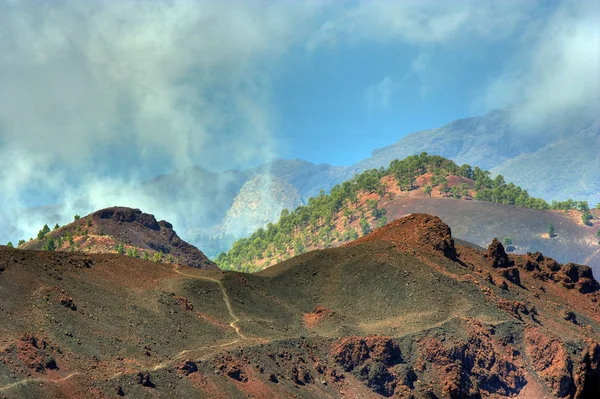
(102, 230)
(479, 222)
(405, 312)
(474, 221)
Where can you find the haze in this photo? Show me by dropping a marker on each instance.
(97, 96)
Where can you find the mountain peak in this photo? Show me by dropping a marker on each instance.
(122, 229)
(418, 231)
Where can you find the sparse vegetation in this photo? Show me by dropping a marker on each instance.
(365, 227)
(586, 217)
(133, 252)
(157, 257)
(21, 242)
(49, 245)
(146, 256)
(315, 224)
(120, 248)
(428, 190)
(42, 233)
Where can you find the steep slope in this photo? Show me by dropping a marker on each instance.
(307, 177)
(554, 164)
(259, 202)
(562, 169)
(477, 207)
(479, 222)
(403, 312)
(485, 141)
(121, 229)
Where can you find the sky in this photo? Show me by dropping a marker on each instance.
(98, 94)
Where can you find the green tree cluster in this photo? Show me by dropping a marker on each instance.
(42, 233)
(315, 224)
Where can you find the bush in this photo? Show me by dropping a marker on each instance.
(49, 245)
(120, 248)
(586, 217)
(10, 245)
(365, 227)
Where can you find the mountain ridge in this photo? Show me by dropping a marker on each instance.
(404, 312)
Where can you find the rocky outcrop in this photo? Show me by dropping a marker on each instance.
(418, 231)
(259, 202)
(102, 230)
(471, 368)
(497, 255)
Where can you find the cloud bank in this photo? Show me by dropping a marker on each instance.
(98, 95)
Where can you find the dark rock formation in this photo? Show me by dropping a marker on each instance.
(497, 255)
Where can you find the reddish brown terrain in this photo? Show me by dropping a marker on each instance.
(471, 220)
(140, 235)
(404, 312)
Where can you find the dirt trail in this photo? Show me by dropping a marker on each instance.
(236, 319)
(162, 365)
(37, 379)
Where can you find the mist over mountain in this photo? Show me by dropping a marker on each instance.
(163, 106)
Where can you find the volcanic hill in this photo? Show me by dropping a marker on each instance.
(404, 312)
(475, 206)
(125, 230)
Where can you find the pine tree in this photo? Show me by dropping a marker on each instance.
(586, 217)
(428, 190)
(551, 232)
(10, 245)
(49, 245)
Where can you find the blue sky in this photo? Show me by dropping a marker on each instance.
(100, 94)
(337, 106)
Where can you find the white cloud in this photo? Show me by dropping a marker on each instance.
(190, 81)
(182, 81)
(555, 75)
(80, 74)
(421, 22)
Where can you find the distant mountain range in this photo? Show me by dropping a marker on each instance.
(554, 164)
